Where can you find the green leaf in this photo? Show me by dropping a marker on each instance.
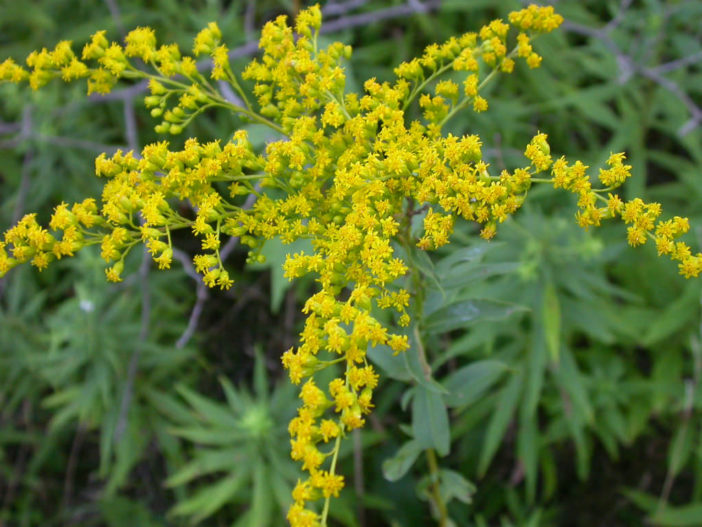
(260, 511)
(421, 260)
(211, 498)
(260, 377)
(208, 436)
(127, 453)
(674, 317)
(430, 422)
(467, 384)
(467, 255)
(552, 320)
(644, 501)
(234, 400)
(208, 409)
(169, 406)
(463, 313)
(205, 462)
(275, 252)
(685, 516)
(119, 511)
(680, 448)
(393, 365)
(571, 382)
(414, 366)
(528, 452)
(505, 406)
(454, 486)
(535, 363)
(463, 275)
(398, 465)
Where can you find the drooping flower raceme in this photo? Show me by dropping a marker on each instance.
(348, 172)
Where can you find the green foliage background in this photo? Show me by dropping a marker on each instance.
(568, 364)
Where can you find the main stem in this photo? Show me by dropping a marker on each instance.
(418, 286)
(435, 490)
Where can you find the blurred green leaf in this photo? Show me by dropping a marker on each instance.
(463, 313)
(397, 466)
(430, 423)
(496, 428)
(467, 384)
(552, 321)
(684, 516)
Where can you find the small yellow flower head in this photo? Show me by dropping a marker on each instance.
(538, 152)
(165, 259)
(41, 260)
(435, 108)
(470, 85)
(636, 236)
(536, 18)
(75, 70)
(62, 218)
(302, 492)
(496, 28)
(466, 60)
(398, 343)
(298, 516)
(312, 397)
(207, 39)
(223, 280)
(664, 245)
(614, 205)
(12, 72)
(141, 42)
(617, 173)
(633, 210)
(114, 60)
(62, 54)
(437, 230)
(533, 60)
(114, 273)
(447, 89)
(220, 57)
(308, 20)
(329, 429)
(691, 266)
(480, 104)
(96, 47)
(488, 232)
(680, 225)
(507, 65)
(101, 81)
(411, 70)
(352, 417)
(524, 48)
(329, 484)
(86, 213)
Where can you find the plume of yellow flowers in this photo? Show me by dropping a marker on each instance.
(348, 173)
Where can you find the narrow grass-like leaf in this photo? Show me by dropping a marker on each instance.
(504, 411)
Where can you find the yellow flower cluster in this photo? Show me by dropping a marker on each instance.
(104, 63)
(29, 242)
(349, 173)
(641, 217)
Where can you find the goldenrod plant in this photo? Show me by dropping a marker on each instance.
(370, 189)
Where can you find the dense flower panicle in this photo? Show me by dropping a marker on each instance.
(348, 172)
